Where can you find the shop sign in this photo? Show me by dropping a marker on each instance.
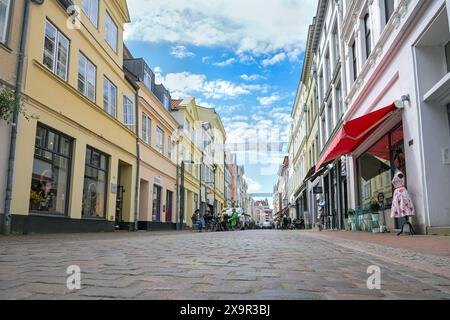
(158, 181)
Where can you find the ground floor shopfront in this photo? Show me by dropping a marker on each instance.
(157, 197)
(68, 179)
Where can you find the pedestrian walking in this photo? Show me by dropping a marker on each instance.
(234, 219)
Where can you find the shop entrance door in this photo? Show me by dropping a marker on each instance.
(169, 204)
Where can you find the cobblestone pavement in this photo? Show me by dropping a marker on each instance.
(234, 265)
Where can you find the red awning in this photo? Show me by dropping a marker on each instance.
(355, 132)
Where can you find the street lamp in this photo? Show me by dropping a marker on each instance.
(182, 193)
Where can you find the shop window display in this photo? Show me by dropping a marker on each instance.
(51, 165)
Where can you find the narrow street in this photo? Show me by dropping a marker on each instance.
(244, 265)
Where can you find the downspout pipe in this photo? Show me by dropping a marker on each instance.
(138, 163)
(15, 116)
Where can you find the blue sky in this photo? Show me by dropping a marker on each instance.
(242, 58)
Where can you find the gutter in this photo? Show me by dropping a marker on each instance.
(133, 81)
(15, 117)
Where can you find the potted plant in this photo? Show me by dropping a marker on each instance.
(374, 209)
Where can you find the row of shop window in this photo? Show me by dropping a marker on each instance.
(376, 168)
(50, 185)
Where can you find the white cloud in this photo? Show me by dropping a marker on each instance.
(252, 77)
(225, 63)
(270, 28)
(253, 185)
(267, 101)
(275, 59)
(181, 52)
(185, 84)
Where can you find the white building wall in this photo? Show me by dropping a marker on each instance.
(392, 71)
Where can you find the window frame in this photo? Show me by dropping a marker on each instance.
(367, 34)
(107, 174)
(108, 18)
(126, 98)
(354, 61)
(69, 158)
(88, 14)
(111, 85)
(160, 140)
(88, 63)
(58, 34)
(387, 16)
(146, 128)
(4, 38)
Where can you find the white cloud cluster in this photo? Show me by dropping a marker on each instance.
(253, 185)
(267, 101)
(252, 77)
(225, 63)
(186, 84)
(272, 27)
(181, 52)
(274, 60)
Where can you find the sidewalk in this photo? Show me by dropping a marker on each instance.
(435, 245)
(425, 253)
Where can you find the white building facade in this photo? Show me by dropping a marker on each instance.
(395, 49)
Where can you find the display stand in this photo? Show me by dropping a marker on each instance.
(411, 229)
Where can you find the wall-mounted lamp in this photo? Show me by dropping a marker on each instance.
(400, 103)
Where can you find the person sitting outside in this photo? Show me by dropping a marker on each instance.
(197, 220)
(208, 218)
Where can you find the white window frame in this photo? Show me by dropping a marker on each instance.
(146, 128)
(166, 102)
(55, 55)
(148, 80)
(88, 68)
(110, 26)
(160, 140)
(91, 11)
(109, 92)
(128, 112)
(3, 36)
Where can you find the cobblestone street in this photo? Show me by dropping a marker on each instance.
(232, 265)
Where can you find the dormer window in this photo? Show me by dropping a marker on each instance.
(147, 80)
(166, 102)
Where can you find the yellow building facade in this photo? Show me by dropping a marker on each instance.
(210, 116)
(158, 145)
(189, 157)
(76, 157)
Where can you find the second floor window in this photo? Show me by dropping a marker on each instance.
(5, 6)
(109, 97)
(90, 9)
(146, 127)
(111, 31)
(355, 61)
(389, 8)
(368, 35)
(128, 113)
(56, 51)
(160, 140)
(86, 77)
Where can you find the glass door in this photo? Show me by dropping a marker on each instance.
(169, 203)
(156, 213)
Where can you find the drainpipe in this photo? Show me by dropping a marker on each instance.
(15, 117)
(138, 162)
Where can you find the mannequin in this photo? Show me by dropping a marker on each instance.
(402, 205)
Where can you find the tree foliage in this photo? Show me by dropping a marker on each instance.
(7, 103)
